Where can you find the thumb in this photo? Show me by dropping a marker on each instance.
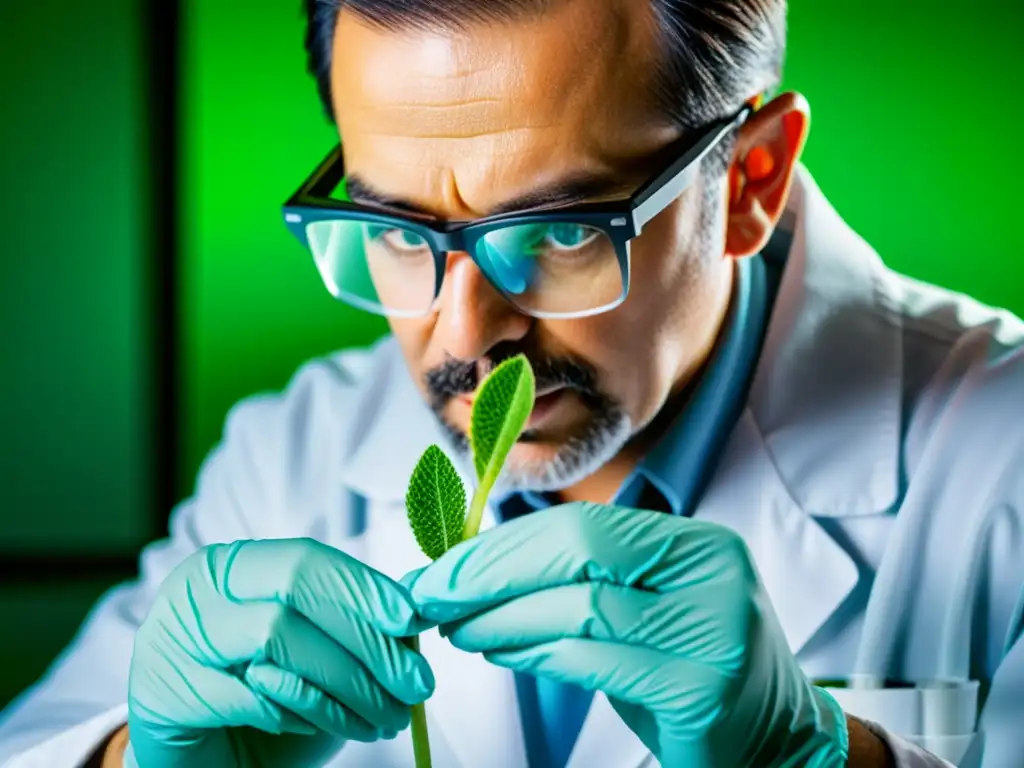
(407, 582)
(409, 579)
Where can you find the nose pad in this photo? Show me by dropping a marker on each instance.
(472, 316)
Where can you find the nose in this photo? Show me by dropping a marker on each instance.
(472, 316)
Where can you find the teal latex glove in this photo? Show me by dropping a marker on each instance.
(271, 654)
(663, 614)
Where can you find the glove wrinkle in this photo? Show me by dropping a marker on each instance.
(219, 576)
(640, 574)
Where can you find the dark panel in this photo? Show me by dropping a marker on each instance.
(163, 91)
(36, 569)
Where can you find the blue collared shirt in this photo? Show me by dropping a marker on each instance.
(670, 478)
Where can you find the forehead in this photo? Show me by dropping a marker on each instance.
(495, 107)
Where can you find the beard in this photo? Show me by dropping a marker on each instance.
(607, 429)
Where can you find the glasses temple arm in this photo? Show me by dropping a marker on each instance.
(658, 194)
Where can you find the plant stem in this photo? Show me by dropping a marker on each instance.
(476, 511)
(420, 737)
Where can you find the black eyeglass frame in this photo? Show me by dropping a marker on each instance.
(620, 220)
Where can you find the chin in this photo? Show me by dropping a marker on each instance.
(527, 458)
(555, 456)
(540, 466)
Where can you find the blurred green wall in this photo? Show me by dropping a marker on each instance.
(73, 464)
(74, 321)
(910, 107)
(253, 307)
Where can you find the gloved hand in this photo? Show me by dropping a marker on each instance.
(665, 615)
(271, 654)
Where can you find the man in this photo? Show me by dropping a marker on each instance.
(758, 460)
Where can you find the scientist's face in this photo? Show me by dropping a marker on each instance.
(457, 124)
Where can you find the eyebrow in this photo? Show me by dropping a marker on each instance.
(573, 190)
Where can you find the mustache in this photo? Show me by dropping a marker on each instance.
(457, 377)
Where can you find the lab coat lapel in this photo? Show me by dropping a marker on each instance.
(826, 395)
(805, 573)
(821, 434)
(393, 429)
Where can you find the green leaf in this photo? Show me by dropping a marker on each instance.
(500, 412)
(436, 503)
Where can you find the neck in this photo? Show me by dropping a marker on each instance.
(601, 486)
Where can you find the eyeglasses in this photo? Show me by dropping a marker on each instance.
(564, 262)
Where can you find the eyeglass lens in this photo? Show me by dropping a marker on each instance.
(549, 268)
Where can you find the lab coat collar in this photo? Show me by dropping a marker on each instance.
(821, 434)
(826, 394)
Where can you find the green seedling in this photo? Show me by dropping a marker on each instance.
(436, 499)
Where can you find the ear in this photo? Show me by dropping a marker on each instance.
(767, 152)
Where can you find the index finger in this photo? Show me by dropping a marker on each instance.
(568, 544)
(314, 579)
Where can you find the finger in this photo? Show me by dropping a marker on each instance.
(217, 700)
(297, 646)
(350, 602)
(575, 543)
(309, 575)
(410, 578)
(310, 703)
(274, 632)
(407, 581)
(639, 676)
(678, 623)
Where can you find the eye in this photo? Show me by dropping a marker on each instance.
(403, 241)
(570, 237)
(395, 239)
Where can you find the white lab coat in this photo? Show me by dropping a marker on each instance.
(881, 454)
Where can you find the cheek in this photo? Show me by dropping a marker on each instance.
(666, 260)
(413, 337)
(662, 329)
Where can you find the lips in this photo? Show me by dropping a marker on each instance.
(546, 392)
(544, 404)
(549, 390)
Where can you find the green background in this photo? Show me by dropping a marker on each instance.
(913, 115)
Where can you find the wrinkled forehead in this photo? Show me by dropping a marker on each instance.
(489, 109)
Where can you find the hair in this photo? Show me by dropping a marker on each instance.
(717, 53)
